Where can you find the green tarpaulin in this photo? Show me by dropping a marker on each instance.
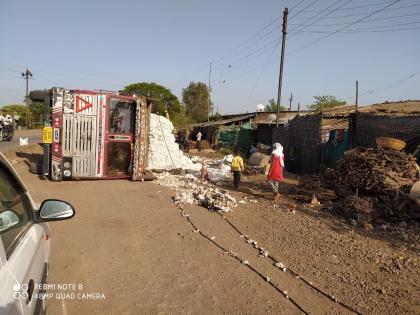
(233, 135)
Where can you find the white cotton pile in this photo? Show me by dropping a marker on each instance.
(221, 171)
(164, 152)
(190, 190)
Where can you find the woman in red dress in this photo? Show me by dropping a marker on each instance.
(275, 174)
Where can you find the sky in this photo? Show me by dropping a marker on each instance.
(330, 44)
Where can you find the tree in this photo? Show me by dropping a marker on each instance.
(326, 101)
(215, 117)
(17, 111)
(196, 100)
(165, 99)
(272, 106)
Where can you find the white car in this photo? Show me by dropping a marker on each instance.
(25, 240)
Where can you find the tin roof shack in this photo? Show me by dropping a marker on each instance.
(265, 122)
(399, 120)
(313, 139)
(228, 132)
(320, 139)
(301, 139)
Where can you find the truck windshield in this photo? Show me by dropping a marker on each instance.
(121, 116)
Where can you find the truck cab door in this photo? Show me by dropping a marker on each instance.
(119, 137)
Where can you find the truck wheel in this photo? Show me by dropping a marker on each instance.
(35, 168)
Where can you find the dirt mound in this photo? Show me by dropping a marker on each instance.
(360, 209)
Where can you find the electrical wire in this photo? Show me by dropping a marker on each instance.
(388, 87)
(294, 32)
(263, 70)
(297, 4)
(357, 30)
(399, 82)
(251, 43)
(366, 21)
(300, 11)
(343, 28)
(235, 66)
(247, 40)
(352, 8)
(360, 14)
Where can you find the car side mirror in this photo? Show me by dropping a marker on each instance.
(8, 219)
(54, 210)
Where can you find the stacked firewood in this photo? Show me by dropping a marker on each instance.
(367, 184)
(377, 170)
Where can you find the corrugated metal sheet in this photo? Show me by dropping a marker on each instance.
(223, 121)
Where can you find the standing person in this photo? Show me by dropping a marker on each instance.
(237, 167)
(198, 137)
(275, 174)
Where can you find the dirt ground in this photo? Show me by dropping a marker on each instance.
(129, 241)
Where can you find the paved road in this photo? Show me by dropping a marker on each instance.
(35, 136)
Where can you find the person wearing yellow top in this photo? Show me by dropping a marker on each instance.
(237, 167)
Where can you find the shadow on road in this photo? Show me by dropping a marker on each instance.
(33, 161)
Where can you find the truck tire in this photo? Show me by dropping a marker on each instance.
(35, 168)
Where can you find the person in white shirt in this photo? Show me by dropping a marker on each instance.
(198, 137)
(5, 119)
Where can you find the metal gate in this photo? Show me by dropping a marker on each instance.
(79, 143)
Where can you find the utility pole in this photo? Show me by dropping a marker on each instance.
(283, 44)
(290, 102)
(26, 76)
(209, 101)
(357, 95)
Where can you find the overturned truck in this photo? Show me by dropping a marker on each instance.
(94, 134)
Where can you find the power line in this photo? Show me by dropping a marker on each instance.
(352, 8)
(399, 82)
(271, 44)
(251, 43)
(367, 30)
(249, 39)
(360, 14)
(343, 28)
(252, 56)
(303, 10)
(382, 26)
(325, 15)
(296, 5)
(395, 84)
(263, 69)
(366, 21)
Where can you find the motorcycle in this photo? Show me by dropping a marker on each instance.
(6, 132)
